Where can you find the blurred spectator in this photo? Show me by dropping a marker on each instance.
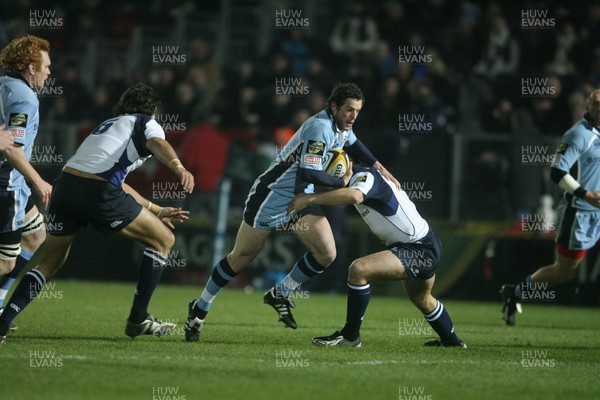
(207, 163)
(501, 53)
(394, 27)
(565, 40)
(526, 177)
(297, 49)
(498, 120)
(354, 32)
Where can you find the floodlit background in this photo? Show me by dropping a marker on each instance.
(465, 104)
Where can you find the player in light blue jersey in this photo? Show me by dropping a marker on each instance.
(297, 169)
(576, 170)
(27, 63)
(91, 190)
(413, 254)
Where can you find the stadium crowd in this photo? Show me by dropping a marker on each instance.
(477, 55)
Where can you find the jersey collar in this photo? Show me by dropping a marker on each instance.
(19, 76)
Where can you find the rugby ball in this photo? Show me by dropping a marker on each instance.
(336, 163)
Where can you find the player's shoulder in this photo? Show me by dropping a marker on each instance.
(20, 91)
(582, 129)
(320, 122)
(362, 175)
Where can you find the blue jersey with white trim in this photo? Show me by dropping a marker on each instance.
(389, 212)
(305, 149)
(579, 155)
(116, 147)
(19, 112)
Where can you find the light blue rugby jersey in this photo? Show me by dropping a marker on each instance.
(579, 155)
(305, 149)
(19, 111)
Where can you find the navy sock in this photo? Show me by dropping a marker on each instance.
(7, 280)
(304, 269)
(220, 276)
(151, 269)
(357, 302)
(440, 321)
(27, 290)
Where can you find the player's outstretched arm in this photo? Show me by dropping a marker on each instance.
(386, 174)
(167, 215)
(336, 197)
(166, 155)
(15, 155)
(6, 139)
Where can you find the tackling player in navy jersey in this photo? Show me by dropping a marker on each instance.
(27, 63)
(413, 254)
(576, 170)
(297, 169)
(91, 190)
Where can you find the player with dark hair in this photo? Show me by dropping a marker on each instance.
(26, 61)
(576, 171)
(91, 190)
(297, 168)
(412, 255)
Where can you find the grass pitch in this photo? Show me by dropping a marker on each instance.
(71, 345)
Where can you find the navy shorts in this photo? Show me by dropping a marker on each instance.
(76, 201)
(14, 205)
(421, 258)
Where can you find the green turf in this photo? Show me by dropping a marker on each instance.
(70, 345)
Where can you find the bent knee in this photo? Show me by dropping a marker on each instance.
(358, 270)
(164, 243)
(326, 256)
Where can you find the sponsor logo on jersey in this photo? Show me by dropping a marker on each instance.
(315, 147)
(562, 148)
(312, 160)
(361, 179)
(116, 223)
(17, 132)
(18, 119)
